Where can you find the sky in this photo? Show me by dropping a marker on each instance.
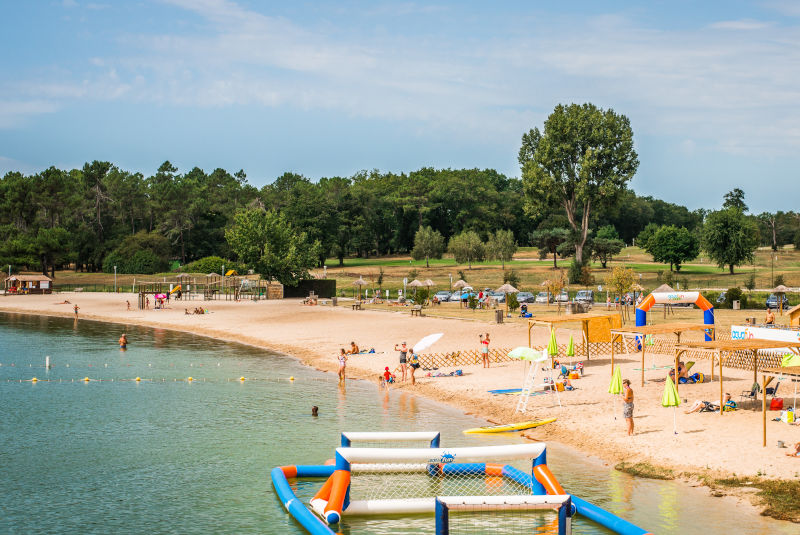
(712, 88)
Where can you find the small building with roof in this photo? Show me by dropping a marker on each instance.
(28, 284)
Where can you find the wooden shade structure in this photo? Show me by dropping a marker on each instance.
(716, 348)
(789, 371)
(780, 291)
(669, 328)
(583, 319)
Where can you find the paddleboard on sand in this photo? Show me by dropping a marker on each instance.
(505, 391)
(519, 426)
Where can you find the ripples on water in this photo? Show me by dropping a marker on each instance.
(167, 456)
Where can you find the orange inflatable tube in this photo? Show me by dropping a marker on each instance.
(494, 469)
(544, 476)
(340, 481)
(325, 492)
(289, 471)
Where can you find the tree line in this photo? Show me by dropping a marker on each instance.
(573, 200)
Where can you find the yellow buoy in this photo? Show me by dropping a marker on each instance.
(34, 380)
(86, 379)
(291, 378)
(241, 378)
(138, 379)
(190, 379)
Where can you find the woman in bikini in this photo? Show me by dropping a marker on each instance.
(342, 365)
(485, 349)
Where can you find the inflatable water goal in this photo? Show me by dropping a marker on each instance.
(488, 489)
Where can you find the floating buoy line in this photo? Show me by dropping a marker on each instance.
(189, 379)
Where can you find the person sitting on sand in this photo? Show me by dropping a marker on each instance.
(769, 319)
(796, 452)
(707, 406)
(186, 311)
(353, 349)
(681, 372)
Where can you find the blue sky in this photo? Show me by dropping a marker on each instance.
(330, 88)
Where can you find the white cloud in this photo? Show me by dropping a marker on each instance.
(744, 24)
(734, 90)
(15, 112)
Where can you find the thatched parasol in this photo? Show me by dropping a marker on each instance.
(779, 291)
(429, 283)
(460, 284)
(359, 282)
(663, 288)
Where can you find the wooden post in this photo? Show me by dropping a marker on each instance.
(764, 414)
(677, 358)
(613, 339)
(721, 388)
(586, 336)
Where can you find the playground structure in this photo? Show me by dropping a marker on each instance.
(189, 287)
(675, 298)
(438, 481)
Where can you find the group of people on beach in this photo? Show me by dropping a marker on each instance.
(354, 350)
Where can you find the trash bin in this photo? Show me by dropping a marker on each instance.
(736, 304)
(333, 300)
(498, 315)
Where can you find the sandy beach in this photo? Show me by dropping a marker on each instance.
(590, 419)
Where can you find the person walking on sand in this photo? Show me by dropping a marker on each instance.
(627, 404)
(485, 349)
(403, 350)
(76, 309)
(129, 304)
(342, 364)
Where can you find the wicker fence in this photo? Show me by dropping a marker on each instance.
(742, 360)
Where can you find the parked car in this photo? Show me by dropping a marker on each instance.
(772, 301)
(721, 298)
(500, 297)
(455, 296)
(585, 296)
(563, 297)
(525, 297)
(544, 297)
(444, 295)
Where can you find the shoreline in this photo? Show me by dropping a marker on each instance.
(467, 395)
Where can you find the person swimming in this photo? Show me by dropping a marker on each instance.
(123, 341)
(314, 411)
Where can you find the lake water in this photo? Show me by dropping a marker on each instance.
(168, 456)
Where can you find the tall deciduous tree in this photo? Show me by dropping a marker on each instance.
(673, 245)
(582, 160)
(501, 246)
(428, 243)
(730, 237)
(266, 242)
(735, 199)
(467, 247)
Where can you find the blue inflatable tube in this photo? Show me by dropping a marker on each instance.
(606, 519)
(314, 470)
(518, 476)
(464, 468)
(295, 507)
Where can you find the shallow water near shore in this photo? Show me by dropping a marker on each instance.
(165, 455)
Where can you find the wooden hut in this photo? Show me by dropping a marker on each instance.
(28, 284)
(794, 316)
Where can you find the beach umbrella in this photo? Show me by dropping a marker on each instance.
(415, 284)
(460, 284)
(427, 342)
(790, 359)
(552, 345)
(526, 353)
(359, 283)
(616, 386)
(670, 399)
(506, 289)
(571, 347)
(429, 283)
